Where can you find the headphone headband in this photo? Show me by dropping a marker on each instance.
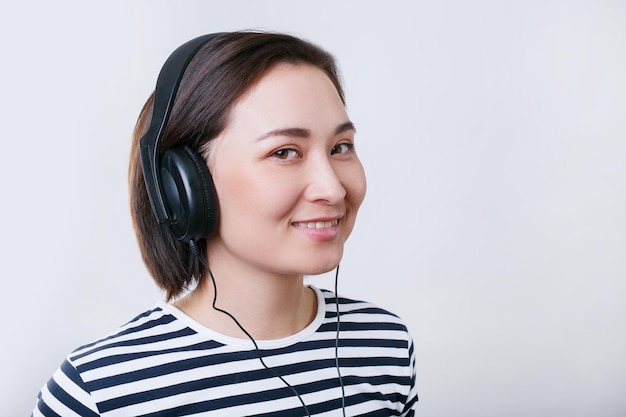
(166, 88)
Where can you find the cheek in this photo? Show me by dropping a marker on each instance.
(251, 196)
(356, 186)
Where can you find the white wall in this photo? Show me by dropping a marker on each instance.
(494, 138)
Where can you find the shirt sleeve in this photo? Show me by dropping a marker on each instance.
(65, 394)
(411, 402)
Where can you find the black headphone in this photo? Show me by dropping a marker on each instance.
(179, 185)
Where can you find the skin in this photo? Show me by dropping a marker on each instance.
(290, 185)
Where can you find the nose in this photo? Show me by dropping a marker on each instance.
(324, 183)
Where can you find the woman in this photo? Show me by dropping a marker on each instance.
(243, 179)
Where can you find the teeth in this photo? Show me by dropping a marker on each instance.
(317, 225)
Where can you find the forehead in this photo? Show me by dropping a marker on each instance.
(290, 93)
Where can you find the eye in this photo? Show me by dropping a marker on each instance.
(342, 148)
(286, 154)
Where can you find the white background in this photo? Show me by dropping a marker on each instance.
(494, 140)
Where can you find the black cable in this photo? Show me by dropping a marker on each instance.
(194, 249)
(343, 392)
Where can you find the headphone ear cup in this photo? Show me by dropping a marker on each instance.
(189, 194)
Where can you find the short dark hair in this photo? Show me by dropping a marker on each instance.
(221, 72)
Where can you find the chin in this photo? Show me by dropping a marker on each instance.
(321, 266)
(320, 271)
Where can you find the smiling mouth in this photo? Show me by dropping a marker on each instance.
(316, 225)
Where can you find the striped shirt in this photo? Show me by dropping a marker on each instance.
(163, 363)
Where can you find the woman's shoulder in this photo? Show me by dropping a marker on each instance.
(155, 329)
(360, 314)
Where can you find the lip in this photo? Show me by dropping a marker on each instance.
(323, 229)
(316, 224)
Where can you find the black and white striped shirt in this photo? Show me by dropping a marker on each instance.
(163, 363)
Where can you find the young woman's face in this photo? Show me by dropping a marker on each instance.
(287, 177)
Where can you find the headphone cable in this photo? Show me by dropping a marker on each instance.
(343, 393)
(194, 249)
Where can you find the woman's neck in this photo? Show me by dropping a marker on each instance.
(269, 306)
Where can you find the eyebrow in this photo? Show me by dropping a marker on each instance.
(299, 132)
